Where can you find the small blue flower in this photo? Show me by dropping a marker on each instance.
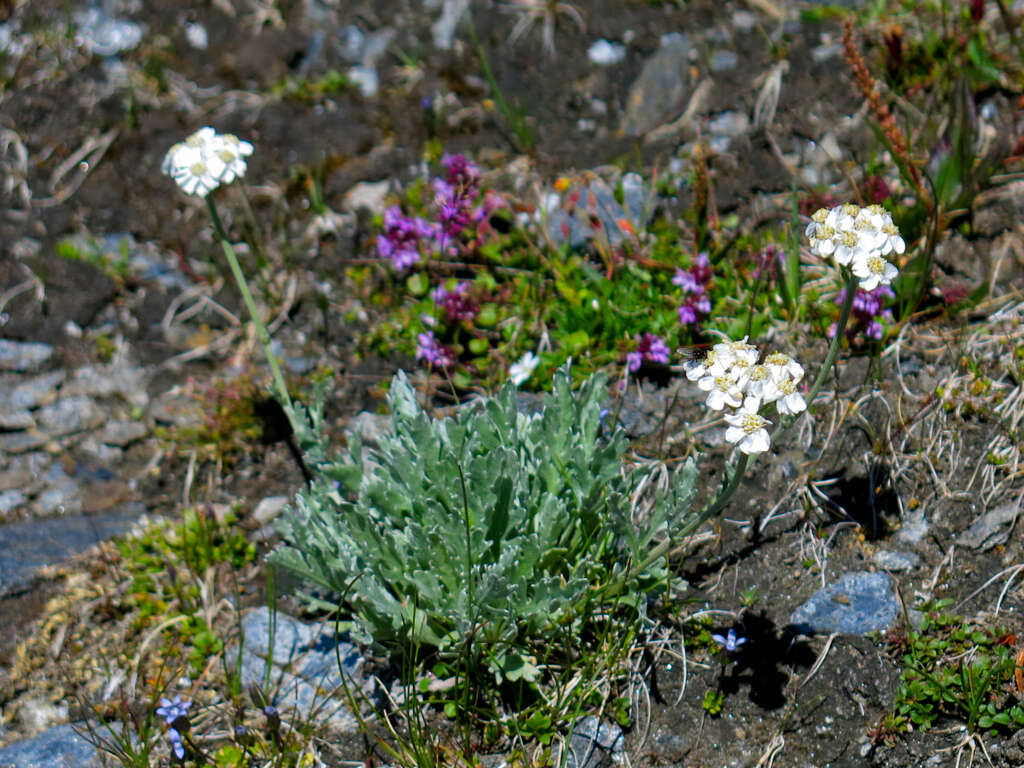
(172, 710)
(177, 745)
(731, 642)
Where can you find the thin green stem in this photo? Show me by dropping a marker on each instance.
(250, 304)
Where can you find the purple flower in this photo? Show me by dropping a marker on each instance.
(649, 348)
(400, 240)
(459, 172)
(177, 744)
(694, 283)
(456, 304)
(171, 711)
(731, 642)
(433, 352)
(867, 313)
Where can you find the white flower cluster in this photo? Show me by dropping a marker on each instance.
(732, 376)
(857, 237)
(205, 160)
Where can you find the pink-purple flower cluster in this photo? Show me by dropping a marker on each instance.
(456, 304)
(433, 352)
(649, 349)
(406, 238)
(403, 237)
(694, 282)
(866, 312)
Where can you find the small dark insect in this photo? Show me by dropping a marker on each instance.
(695, 353)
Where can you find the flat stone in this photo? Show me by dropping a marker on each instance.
(991, 529)
(177, 409)
(118, 378)
(29, 393)
(856, 604)
(22, 356)
(303, 660)
(10, 500)
(58, 746)
(14, 478)
(269, 508)
(21, 442)
(659, 94)
(370, 196)
(27, 546)
(69, 415)
(896, 561)
(16, 419)
(123, 433)
(723, 60)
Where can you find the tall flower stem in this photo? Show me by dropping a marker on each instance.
(833, 350)
(250, 304)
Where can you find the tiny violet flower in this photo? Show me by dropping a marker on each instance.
(171, 711)
(177, 743)
(401, 239)
(205, 160)
(521, 370)
(650, 348)
(433, 352)
(456, 304)
(731, 642)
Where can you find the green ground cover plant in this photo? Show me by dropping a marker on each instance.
(955, 669)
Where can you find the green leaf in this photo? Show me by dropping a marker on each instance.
(417, 283)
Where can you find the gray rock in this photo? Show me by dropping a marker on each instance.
(268, 509)
(22, 356)
(659, 94)
(991, 529)
(371, 196)
(301, 666)
(27, 546)
(106, 35)
(571, 222)
(10, 500)
(69, 415)
(729, 125)
(605, 735)
(117, 378)
(896, 561)
(723, 60)
(604, 53)
(592, 744)
(915, 526)
(16, 419)
(856, 604)
(177, 409)
(58, 747)
(32, 392)
(20, 442)
(122, 433)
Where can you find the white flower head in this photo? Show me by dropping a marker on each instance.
(747, 431)
(521, 370)
(873, 271)
(205, 160)
(788, 401)
(851, 234)
(722, 391)
(782, 366)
